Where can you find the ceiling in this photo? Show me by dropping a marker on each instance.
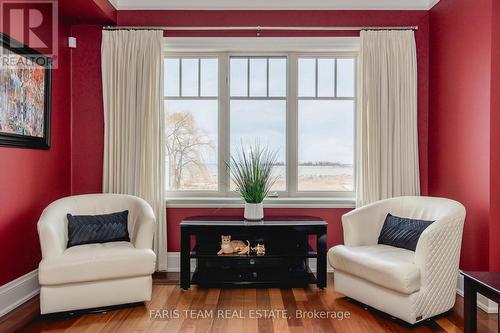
(274, 4)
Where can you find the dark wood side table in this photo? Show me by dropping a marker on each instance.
(484, 283)
(285, 264)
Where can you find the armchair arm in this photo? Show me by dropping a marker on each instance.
(438, 251)
(144, 226)
(362, 225)
(51, 231)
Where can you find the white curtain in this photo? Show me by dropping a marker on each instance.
(132, 66)
(387, 121)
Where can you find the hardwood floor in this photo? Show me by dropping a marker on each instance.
(206, 310)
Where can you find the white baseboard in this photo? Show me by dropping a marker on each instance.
(482, 302)
(18, 291)
(174, 260)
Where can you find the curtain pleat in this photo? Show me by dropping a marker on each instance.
(132, 67)
(387, 121)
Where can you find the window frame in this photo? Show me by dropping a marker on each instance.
(223, 149)
(275, 194)
(198, 55)
(355, 99)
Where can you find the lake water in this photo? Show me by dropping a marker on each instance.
(311, 178)
(304, 170)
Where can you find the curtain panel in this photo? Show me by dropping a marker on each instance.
(132, 67)
(387, 119)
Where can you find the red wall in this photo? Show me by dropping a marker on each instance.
(31, 179)
(459, 132)
(87, 11)
(494, 238)
(87, 127)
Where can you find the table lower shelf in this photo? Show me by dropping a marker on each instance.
(262, 277)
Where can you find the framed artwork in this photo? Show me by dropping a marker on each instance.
(25, 91)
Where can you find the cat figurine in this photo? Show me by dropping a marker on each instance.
(228, 246)
(260, 249)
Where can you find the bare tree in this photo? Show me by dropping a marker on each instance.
(184, 147)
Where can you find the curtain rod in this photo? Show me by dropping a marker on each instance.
(257, 28)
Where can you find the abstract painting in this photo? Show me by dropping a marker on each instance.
(24, 97)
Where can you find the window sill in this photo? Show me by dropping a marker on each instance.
(224, 202)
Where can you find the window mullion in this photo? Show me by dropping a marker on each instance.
(292, 125)
(267, 77)
(248, 77)
(199, 77)
(335, 78)
(180, 76)
(224, 144)
(316, 77)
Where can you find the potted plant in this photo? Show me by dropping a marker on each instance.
(251, 171)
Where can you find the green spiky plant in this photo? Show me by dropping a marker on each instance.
(252, 172)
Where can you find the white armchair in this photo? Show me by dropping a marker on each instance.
(95, 275)
(412, 286)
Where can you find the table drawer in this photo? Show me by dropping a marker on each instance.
(227, 262)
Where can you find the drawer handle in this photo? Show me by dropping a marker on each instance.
(252, 261)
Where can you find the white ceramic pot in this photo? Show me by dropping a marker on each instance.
(253, 211)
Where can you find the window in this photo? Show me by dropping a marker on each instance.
(191, 129)
(302, 106)
(258, 101)
(326, 103)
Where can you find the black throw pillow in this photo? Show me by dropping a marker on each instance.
(87, 229)
(402, 232)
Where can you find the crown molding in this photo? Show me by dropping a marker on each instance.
(273, 4)
(432, 3)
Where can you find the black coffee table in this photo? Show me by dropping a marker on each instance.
(485, 283)
(285, 263)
